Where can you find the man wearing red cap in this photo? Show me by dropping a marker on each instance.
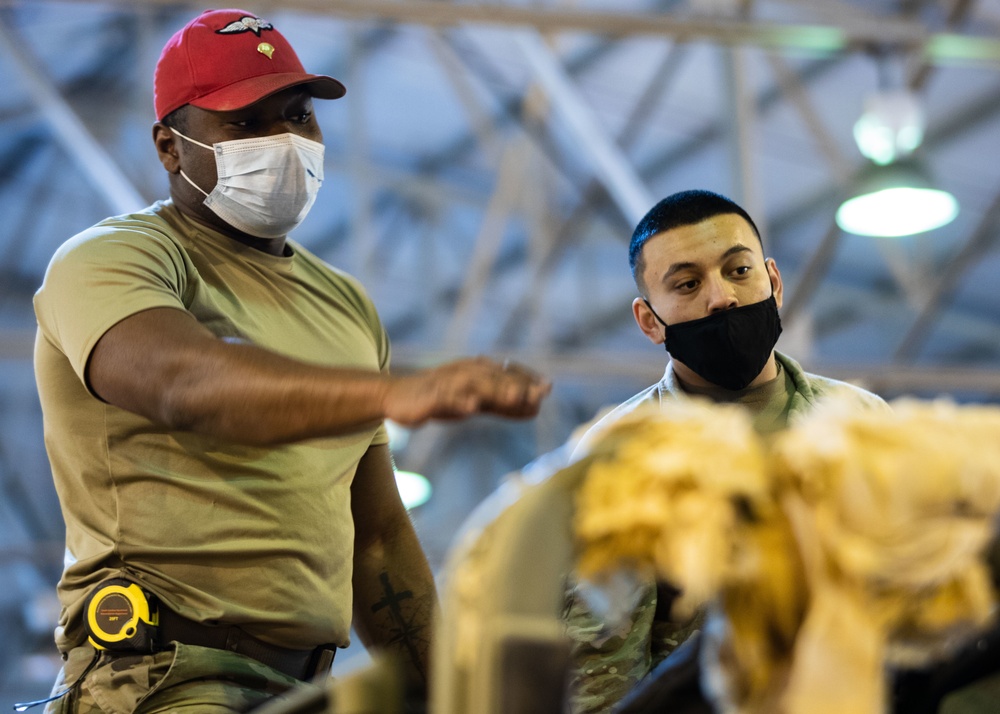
(214, 398)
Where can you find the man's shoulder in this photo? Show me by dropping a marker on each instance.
(161, 215)
(636, 401)
(825, 386)
(816, 388)
(609, 415)
(157, 222)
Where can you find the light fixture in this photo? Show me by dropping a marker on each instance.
(896, 200)
(414, 489)
(891, 127)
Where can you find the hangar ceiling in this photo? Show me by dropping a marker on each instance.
(484, 174)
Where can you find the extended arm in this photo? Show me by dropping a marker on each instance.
(164, 365)
(394, 594)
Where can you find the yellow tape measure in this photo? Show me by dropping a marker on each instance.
(121, 616)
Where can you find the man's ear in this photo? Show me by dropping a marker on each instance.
(776, 285)
(647, 321)
(166, 147)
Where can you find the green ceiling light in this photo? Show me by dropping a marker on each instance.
(414, 489)
(891, 127)
(896, 200)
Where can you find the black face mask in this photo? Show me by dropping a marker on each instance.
(728, 348)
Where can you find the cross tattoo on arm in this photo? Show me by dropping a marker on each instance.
(404, 631)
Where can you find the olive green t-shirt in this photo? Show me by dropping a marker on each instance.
(222, 533)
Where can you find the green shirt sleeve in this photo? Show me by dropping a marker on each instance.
(100, 277)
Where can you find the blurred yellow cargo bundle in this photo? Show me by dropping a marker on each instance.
(847, 543)
(663, 490)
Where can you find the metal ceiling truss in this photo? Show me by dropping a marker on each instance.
(616, 188)
(982, 240)
(70, 131)
(566, 234)
(844, 32)
(621, 180)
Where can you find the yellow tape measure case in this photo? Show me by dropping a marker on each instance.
(121, 616)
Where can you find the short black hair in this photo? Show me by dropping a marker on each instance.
(684, 208)
(178, 118)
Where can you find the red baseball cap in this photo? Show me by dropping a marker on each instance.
(229, 59)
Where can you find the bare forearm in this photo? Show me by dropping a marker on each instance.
(164, 365)
(261, 398)
(396, 602)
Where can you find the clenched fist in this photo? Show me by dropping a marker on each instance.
(462, 388)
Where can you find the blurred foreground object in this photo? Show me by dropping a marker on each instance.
(500, 645)
(375, 689)
(850, 543)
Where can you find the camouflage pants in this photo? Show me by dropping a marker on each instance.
(607, 663)
(980, 697)
(184, 678)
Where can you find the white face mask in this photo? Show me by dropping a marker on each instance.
(266, 185)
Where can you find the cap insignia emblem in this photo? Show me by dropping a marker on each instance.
(266, 48)
(246, 23)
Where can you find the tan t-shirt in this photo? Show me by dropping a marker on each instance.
(222, 533)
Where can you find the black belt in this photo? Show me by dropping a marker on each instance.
(301, 664)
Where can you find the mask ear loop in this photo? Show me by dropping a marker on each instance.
(23, 706)
(665, 328)
(184, 175)
(654, 313)
(196, 143)
(188, 179)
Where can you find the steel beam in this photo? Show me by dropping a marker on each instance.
(642, 369)
(487, 244)
(106, 177)
(982, 238)
(811, 275)
(610, 165)
(483, 124)
(363, 228)
(741, 121)
(841, 35)
(563, 237)
(795, 91)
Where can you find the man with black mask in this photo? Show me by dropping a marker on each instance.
(711, 297)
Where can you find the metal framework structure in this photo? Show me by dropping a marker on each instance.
(490, 212)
